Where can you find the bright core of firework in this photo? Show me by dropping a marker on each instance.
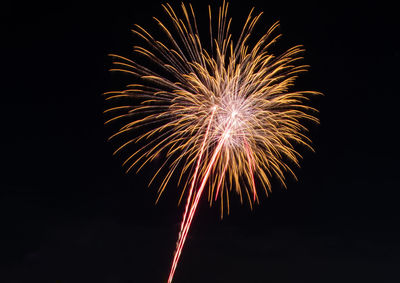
(224, 117)
(230, 113)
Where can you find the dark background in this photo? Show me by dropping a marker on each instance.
(68, 213)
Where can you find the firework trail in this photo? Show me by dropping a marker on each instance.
(224, 116)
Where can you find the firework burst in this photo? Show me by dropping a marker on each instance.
(223, 116)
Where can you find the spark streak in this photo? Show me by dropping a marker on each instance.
(251, 164)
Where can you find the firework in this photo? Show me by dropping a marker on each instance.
(223, 116)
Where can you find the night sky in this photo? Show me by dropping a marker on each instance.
(69, 213)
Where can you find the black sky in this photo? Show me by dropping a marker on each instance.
(68, 213)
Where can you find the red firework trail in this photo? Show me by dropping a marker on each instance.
(187, 222)
(197, 168)
(221, 178)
